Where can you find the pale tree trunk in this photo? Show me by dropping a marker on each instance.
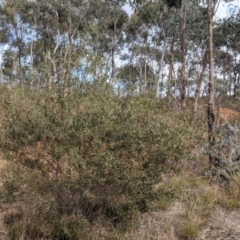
(236, 79)
(113, 64)
(1, 74)
(113, 59)
(68, 59)
(47, 43)
(170, 73)
(230, 83)
(225, 85)
(183, 54)
(175, 83)
(141, 77)
(199, 84)
(131, 73)
(211, 85)
(145, 64)
(53, 59)
(113, 49)
(31, 51)
(162, 56)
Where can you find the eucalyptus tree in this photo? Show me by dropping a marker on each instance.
(60, 39)
(162, 15)
(38, 18)
(116, 20)
(143, 22)
(4, 38)
(158, 25)
(15, 34)
(211, 103)
(211, 83)
(198, 49)
(227, 48)
(129, 58)
(129, 76)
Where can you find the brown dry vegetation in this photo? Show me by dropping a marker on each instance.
(227, 115)
(100, 168)
(222, 114)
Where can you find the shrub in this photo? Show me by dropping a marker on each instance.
(97, 156)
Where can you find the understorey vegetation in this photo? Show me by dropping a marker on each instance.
(83, 157)
(91, 166)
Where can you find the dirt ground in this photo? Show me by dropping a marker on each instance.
(223, 225)
(164, 225)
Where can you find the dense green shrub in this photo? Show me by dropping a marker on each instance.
(98, 156)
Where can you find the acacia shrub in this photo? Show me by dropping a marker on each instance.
(97, 156)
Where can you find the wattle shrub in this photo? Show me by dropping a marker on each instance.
(97, 156)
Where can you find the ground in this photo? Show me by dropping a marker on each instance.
(223, 225)
(164, 224)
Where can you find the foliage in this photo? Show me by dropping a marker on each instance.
(56, 43)
(97, 156)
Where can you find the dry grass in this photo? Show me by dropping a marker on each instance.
(196, 216)
(185, 217)
(161, 224)
(223, 225)
(203, 209)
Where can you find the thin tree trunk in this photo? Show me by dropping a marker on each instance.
(183, 55)
(68, 59)
(170, 73)
(20, 64)
(113, 64)
(1, 73)
(141, 77)
(47, 58)
(145, 65)
(131, 73)
(236, 81)
(113, 54)
(230, 83)
(211, 85)
(199, 84)
(225, 86)
(175, 84)
(162, 57)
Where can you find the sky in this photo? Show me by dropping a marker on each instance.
(226, 9)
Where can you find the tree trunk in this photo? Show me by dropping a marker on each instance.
(170, 73)
(211, 85)
(145, 65)
(199, 84)
(183, 55)
(69, 49)
(162, 56)
(113, 54)
(1, 74)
